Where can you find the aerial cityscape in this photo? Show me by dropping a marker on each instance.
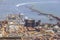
(29, 20)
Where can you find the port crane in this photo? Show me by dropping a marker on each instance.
(40, 13)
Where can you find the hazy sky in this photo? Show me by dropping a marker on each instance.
(46, 6)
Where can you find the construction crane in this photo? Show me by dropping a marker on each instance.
(40, 13)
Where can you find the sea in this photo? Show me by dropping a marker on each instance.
(44, 6)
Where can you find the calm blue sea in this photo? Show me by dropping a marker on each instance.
(45, 6)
